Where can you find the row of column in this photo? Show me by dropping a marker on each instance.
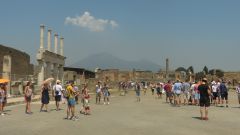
(48, 69)
(42, 27)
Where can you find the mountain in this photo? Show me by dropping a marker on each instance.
(108, 61)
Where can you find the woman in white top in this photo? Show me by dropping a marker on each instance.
(28, 97)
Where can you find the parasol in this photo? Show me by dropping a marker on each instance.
(4, 80)
(48, 80)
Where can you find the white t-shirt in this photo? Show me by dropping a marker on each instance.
(58, 88)
(214, 88)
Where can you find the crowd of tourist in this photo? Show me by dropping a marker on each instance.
(201, 93)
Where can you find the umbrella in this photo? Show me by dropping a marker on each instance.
(4, 80)
(48, 80)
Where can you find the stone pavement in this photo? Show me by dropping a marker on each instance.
(124, 116)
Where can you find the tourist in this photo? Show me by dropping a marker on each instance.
(185, 90)
(238, 92)
(57, 93)
(177, 87)
(75, 87)
(169, 94)
(2, 96)
(159, 90)
(106, 94)
(137, 90)
(98, 92)
(196, 93)
(86, 98)
(28, 93)
(205, 92)
(145, 87)
(152, 86)
(71, 101)
(224, 93)
(215, 93)
(45, 97)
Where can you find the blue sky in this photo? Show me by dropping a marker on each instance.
(188, 32)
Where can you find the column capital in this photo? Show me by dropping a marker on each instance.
(42, 25)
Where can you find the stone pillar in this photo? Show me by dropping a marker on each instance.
(56, 43)
(41, 73)
(167, 68)
(42, 37)
(48, 70)
(55, 71)
(60, 73)
(61, 46)
(49, 39)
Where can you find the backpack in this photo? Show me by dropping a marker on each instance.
(65, 94)
(223, 88)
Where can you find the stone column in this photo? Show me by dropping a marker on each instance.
(49, 39)
(41, 73)
(60, 73)
(61, 46)
(55, 71)
(56, 43)
(42, 37)
(167, 68)
(48, 70)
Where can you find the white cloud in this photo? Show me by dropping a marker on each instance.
(90, 22)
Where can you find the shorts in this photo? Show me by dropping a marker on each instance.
(28, 98)
(138, 93)
(224, 96)
(196, 96)
(106, 94)
(215, 95)
(98, 94)
(86, 103)
(169, 94)
(159, 92)
(204, 102)
(71, 102)
(58, 98)
(1, 100)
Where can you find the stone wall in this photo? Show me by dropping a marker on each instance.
(20, 62)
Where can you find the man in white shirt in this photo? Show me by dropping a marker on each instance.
(57, 93)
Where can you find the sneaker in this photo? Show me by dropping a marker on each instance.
(108, 103)
(104, 103)
(75, 118)
(227, 106)
(2, 114)
(67, 118)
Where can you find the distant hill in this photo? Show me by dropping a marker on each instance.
(108, 61)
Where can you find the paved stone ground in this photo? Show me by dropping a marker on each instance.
(124, 116)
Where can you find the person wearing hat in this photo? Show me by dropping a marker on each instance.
(238, 92)
(205, 92)
(57, 93)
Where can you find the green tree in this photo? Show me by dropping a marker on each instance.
(190, 69)
(199, 76)
(205, 70)
(219, 73)
(181, 69)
